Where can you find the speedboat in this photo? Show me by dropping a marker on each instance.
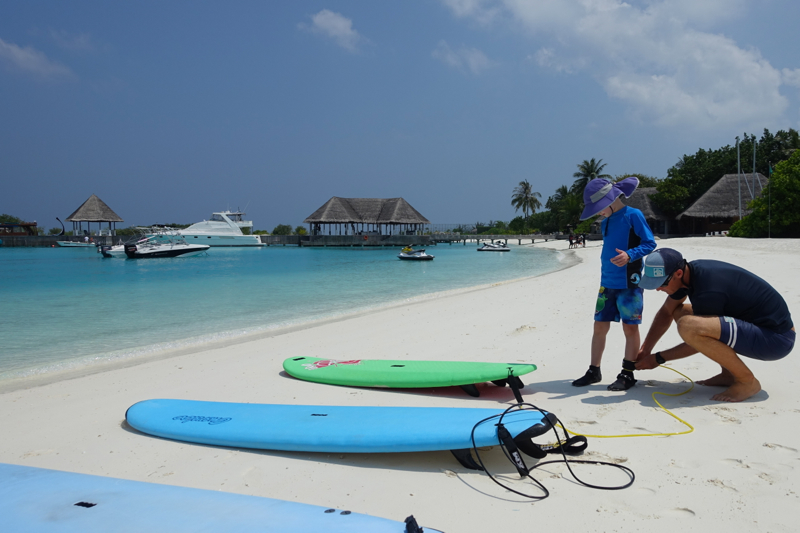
(173, 247)
(415, 255)
(222, 229)
(118, 250)
(494, 247)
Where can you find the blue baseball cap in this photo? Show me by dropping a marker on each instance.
(658, 266)
(601, 193)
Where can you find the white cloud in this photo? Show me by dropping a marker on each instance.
(31, 61)
(470, 58)
(791, 77)
(481, 10)
(80, 43)
(659, 56)
(336, 27)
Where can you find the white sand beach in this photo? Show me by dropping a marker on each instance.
(738, 471)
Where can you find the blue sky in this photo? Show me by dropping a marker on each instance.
(169, 111)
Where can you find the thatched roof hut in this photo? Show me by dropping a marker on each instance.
(356, 215)
(93, 210)
(718, 208)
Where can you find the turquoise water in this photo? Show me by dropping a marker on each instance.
(65, 308)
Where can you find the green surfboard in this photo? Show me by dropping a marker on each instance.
(402, 374)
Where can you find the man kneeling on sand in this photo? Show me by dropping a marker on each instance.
(732, 311)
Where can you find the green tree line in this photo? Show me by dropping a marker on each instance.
(685, 182)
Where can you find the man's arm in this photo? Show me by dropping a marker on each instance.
(661, 323)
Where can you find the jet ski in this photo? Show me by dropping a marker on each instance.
(415, 255)
(494, 247)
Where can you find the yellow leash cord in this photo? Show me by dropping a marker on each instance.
(661, 406)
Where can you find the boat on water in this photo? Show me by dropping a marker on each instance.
(75, 244)
(118, 250)
(415, 255)
(222, 229)
(163, 246)
(494, 247)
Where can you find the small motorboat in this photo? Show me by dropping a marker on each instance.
(75, 244)
(414, 255)
(118, 250)
(172, 247)
(494, 247)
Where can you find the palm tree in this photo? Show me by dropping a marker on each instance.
(554, 201)
(526, 198)
(587, 171)
(570, 210)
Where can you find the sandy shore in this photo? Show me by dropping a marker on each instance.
(737, 471)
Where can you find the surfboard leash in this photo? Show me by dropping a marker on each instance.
(670, 413)
(511, 448)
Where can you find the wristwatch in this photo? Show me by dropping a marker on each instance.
(660, 360)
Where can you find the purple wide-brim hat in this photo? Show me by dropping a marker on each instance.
(601, 193)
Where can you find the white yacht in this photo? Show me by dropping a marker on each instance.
(222, 229)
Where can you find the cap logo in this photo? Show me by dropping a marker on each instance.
(655, 272)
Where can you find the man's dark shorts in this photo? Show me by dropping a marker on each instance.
(754, 342)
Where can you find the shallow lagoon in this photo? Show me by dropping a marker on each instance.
(69, 307)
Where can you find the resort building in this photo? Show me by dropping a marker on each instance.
(366, 216)
(722, 204)
(714, 212)
(94, 210)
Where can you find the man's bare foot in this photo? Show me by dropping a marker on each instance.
(723, 379)
(738, 391)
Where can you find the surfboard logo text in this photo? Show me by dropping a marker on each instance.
(212, 420)
(330, 362)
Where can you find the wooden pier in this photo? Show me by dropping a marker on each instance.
(395, 240)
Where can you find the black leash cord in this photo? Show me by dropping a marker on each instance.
(531, 407)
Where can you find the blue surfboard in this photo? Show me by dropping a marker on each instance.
(318, 428)
(38, 500)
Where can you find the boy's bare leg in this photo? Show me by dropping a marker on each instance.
(599, 341)
(593, 375)
(702, 334)
(632, 340)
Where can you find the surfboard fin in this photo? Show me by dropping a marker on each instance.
(465, 458)
(516, 384)
(412, 526)
(471, 389)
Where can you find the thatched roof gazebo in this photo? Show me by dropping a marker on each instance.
(656, 219)
(94, 210)
(719, 207)
(356, 216)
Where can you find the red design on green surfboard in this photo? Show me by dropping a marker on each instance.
(323, 363)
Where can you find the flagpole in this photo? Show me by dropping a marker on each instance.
(739, 175)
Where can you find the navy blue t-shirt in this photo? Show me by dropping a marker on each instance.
(721, 289)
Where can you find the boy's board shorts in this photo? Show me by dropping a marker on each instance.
(614, 305)
(753, 341)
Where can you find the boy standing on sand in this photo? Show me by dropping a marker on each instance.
(626, 239)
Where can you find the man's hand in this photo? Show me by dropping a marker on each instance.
(645, 360)
(622, 259)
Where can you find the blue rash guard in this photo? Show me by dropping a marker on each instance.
(627, 230)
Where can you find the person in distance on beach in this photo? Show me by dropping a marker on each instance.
(732, 312)
(626, 239)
